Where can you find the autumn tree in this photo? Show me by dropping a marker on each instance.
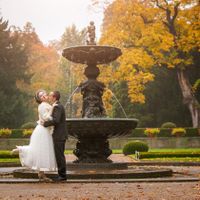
(43, 66)
(182, 20)
(154, 33)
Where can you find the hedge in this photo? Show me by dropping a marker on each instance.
(138, 132)
(8, 154)
(166, 132)
(16, 133)
(168, 154)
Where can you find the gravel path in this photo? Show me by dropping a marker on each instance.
(101, 191)
(113, 157)
(105, 191)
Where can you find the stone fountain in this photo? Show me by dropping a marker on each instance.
(94, 129)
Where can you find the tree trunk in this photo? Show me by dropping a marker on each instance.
(188, 97)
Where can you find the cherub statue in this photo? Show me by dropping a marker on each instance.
(91, 34)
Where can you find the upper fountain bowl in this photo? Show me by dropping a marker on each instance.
(92, 54)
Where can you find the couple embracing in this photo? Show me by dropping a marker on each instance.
(45, 151)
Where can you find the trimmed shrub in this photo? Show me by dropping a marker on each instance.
(178, 131)
(151, 132)
(5, 132)
(192, 132)
(138, 132)
(133, 146)
(29, 125)
(165, 132)
(168, 125)
(16, 133)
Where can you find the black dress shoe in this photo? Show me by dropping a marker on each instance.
(59, 179)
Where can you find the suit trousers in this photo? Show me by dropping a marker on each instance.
(59, 147)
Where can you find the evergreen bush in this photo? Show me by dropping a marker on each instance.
(133, 146)
(29, 125)
(168, 125)
(138, 132)
(16, 133)
(165, 132)
(192, 132)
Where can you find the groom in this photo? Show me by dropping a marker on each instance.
(59, 133)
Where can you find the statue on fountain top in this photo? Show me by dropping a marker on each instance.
(91, 34)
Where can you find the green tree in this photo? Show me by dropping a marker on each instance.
(158, 107)
(72, 74)
(13, 60)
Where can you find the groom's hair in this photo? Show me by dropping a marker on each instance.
(56, 94)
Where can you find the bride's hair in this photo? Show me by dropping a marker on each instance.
(38, 95)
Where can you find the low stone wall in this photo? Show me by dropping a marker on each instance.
(118, 143)
(160, 142)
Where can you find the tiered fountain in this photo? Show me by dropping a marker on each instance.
(94, 129)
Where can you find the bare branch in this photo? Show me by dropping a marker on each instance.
(175, 11)
(168, 15)
(159, 6)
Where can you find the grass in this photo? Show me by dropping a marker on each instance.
(173, 159)
(188, 150)
(9, 160)
(68, 151)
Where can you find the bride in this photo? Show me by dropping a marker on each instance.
(39, 154)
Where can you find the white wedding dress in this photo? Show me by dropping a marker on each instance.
(39, 154)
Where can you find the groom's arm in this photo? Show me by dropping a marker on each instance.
(56, 116)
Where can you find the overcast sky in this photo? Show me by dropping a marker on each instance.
(50, 17)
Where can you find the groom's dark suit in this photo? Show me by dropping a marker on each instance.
(59, 136)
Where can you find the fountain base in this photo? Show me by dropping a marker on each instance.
(130, 173)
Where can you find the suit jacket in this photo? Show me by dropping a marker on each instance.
(59, 122)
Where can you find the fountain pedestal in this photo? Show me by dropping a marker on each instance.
(97, 151)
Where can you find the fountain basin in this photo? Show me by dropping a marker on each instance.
(92, 136)
(92, 54)
(100, 127)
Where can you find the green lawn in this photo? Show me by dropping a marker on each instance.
(6, 157)
(188, 150)
(8, 160)
(176, 150)
(173, 159)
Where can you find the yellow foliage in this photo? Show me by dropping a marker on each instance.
(43, 65)
(106, 100)
(140, 29)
